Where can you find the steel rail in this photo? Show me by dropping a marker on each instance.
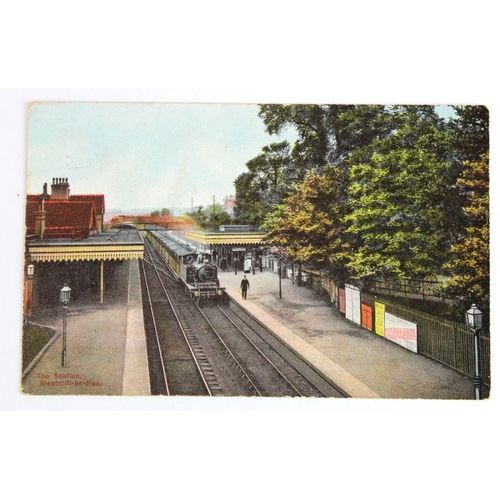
(155, 328)
(262, 353)
(233, 358)
(170, 276)
(179, 322)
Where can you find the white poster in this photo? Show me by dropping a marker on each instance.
(401, 332)
(348, 302)
(353, 304)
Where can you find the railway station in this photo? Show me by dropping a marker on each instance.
(121, 336)
(345, 353)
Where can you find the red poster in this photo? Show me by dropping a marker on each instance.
(367, 316)
(342, 300)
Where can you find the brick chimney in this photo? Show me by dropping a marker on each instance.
(40, 216)
(59, 189)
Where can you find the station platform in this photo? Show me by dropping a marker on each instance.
(106, 346)
(359, 362)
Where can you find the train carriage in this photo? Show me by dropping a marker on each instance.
(195, 270)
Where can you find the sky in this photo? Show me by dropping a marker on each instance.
(144, 155)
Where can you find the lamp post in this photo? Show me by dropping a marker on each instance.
(64, 296)
(279, 273)
(474, 319)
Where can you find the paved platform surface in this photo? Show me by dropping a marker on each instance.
(362, 364)
(106, 346)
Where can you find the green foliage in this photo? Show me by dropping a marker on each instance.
(470, 256)
(397, 201)
(165, 211)
(471, 132)
(373, 189)
(310, 221)
(266, 183)
(155, 213)
(327, 135)
(210, 217)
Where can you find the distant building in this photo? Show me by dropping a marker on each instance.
(229, 205)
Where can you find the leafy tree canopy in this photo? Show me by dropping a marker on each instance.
(210, 217)
(310, 221)
(470, 256)
(376, 189)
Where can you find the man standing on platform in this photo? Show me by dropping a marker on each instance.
(245, 285)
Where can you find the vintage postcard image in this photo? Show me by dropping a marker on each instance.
(257, 250)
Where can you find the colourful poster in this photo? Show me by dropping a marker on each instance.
(353, 304)
(401, 332)
(367, 316)
(348, 302)
(342, 307)
(379, 318)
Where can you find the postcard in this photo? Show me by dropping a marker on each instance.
(257, 250)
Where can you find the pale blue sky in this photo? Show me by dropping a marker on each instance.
(144, 155)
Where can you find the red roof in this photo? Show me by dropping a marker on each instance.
(63, 218)
(31, 208)
(98, 199)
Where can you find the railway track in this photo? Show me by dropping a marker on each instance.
(174, 366)
(232, 356)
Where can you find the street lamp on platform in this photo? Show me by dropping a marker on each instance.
(64, 296)
(279, 273)
(474, 319)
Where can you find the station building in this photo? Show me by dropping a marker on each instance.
(230, 242)
(67, 244)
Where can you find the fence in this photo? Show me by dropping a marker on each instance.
(406, 287)
(448, 342)
(445, 341)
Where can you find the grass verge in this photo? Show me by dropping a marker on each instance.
(35, 338)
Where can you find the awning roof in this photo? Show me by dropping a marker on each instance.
(114, 244)
(175, 246)
(223, 238)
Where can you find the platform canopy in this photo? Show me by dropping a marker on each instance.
(108, 245)
(226, 238)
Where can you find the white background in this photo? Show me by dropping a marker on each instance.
(343, 52)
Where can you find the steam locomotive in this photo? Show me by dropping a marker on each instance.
(195, 270)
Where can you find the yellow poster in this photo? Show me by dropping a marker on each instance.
(379, 318)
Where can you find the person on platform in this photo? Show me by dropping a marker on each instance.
(245, 285)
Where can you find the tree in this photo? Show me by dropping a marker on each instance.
(309, 223)
(402, 211)
(209, 217)
(250, 207)
(326, 135)
(199, 216)
(165, 211)
(155, 213)
(470, 262)
(471, 132)
(267, 182)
